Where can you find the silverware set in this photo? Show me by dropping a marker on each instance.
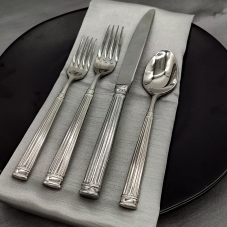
(160, 78)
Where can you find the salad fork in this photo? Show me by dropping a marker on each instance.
(104, 64)
(77, 70)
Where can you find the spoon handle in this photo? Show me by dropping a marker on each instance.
(130, 195)
(27, 161)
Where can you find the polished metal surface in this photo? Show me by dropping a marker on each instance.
(135, 49)
(160, 78)
(104, 64)
(77, 70)
(92, 183)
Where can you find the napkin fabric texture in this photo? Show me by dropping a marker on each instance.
(169, 31)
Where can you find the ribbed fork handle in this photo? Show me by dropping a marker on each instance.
(61, 161)
(27, 161)
(93, 179)
(130, 195)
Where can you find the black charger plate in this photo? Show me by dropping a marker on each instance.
(197, 157)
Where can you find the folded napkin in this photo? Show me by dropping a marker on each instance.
(169, 31)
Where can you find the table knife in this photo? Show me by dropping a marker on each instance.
(93, 179)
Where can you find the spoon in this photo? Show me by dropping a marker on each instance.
(160, 78)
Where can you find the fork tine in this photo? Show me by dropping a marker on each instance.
(78, 50)
(118, 45)
(112, 44)
(107, 44)
(86, 52)
(103, 42)
(82, 49)
(90, 54)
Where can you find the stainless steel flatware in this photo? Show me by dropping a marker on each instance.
(77, 70)
(104, 64)
(93, 179)
(160, 78)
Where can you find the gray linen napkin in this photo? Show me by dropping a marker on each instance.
(169, 31)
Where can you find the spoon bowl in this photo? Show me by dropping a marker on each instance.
(161, 73)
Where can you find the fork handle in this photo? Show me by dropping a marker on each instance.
(93, 179)
(130, 195)
(61, 161)
(27, 161)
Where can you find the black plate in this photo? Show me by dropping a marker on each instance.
(197, 157)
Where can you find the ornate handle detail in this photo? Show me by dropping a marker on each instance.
(60, 163)
(130, 195)
(93, 179)
(27, 161)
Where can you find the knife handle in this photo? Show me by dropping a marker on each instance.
(92, 183)
(61, 161)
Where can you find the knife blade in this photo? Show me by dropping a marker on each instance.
(92, 182)
(135, 49)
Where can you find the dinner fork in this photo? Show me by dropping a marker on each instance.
(104, 64)
(77, 70)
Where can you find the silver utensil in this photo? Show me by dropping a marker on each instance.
(104, 64)
(93, 179)
(160, 78)
(77, 70)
